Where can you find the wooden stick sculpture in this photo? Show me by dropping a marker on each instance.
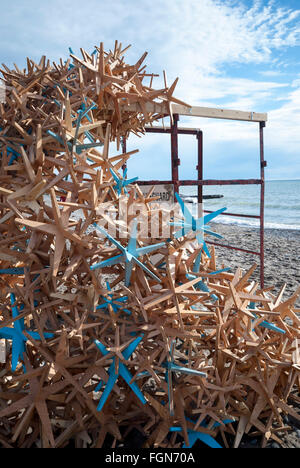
(102, 329)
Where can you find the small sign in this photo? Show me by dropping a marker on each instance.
(2, 93)
(3, 351)
(164, 192)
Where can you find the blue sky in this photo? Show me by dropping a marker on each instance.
(234, 54)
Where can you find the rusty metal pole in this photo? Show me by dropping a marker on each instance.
(123, 144)
(200, 172)
(175, 161)
(263, 164)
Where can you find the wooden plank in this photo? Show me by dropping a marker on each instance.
(204, 112)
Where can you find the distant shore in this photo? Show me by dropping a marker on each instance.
(282, 254)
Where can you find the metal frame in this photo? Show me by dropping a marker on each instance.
(174, 131)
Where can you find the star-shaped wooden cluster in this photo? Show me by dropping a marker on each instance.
(105, 329)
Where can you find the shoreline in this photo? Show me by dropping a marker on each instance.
(282, 252)
(268, 227)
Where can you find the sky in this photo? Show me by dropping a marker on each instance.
(233, 54)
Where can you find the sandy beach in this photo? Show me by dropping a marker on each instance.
(282, 250)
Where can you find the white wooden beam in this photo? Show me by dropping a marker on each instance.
(213, 113)
(196, 111)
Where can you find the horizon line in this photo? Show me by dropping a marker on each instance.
(279, 180)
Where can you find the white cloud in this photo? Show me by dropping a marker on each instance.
(240, 93)
(284, 124)
(271, 73)
(200, 34)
